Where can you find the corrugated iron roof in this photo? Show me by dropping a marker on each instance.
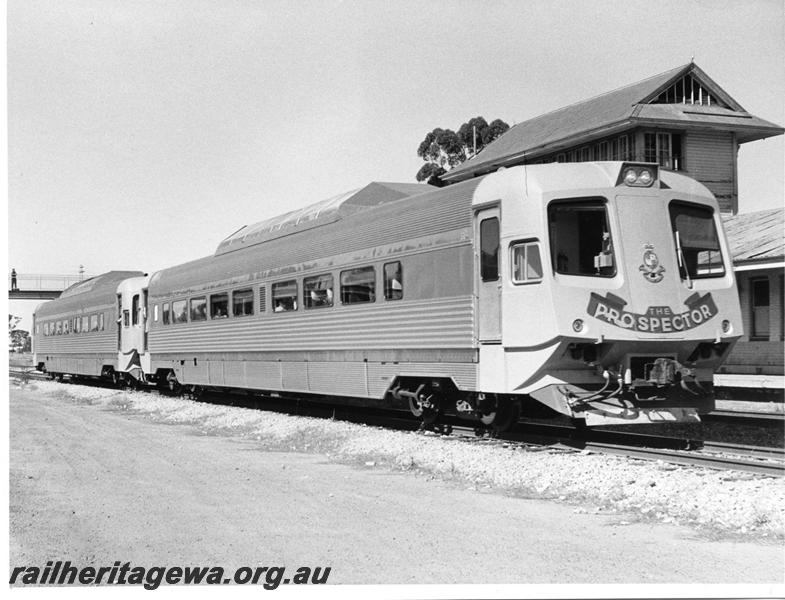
(606, 113)
(756, 236)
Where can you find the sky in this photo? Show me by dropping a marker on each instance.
(142, 133)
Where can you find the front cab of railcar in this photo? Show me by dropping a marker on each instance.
(617, 298)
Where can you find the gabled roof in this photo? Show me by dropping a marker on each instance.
(618, 110)
(320, 213)
(757, 236)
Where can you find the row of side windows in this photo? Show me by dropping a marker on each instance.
(357, 286)
(83, 324)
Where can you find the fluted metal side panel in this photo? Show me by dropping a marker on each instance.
(262, 375)
(295, 376)
(91, 366)
(105, 341)
(342, 379)
(359, 379)
(435, 324)
(380, 376)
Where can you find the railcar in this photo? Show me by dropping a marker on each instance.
(79, 334)
(602, 291)
(598, 291)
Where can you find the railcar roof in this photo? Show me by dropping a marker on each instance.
(99, 289)
(319, 213)
(434, 212)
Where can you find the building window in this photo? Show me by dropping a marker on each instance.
(526, 263)
(760, 308)
(284, 296)
(581, 239)
(318, 291)
(358, 285)
(393, 281)
(663, 149)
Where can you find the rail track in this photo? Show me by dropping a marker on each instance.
(701, 453)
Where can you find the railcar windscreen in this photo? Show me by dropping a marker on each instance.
(580, 238)
(697, 244)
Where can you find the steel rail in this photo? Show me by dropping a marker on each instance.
(635, 445)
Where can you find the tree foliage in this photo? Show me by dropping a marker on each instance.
(443, 149)
(18, 339)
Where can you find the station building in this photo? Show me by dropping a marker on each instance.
(684, 121)
(757, 243)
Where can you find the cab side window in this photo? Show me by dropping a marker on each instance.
(526, 262)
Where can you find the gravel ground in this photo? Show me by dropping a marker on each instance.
(716, 502)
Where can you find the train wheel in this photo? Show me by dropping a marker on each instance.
(172, 384)
(507, 415)
(195, 392)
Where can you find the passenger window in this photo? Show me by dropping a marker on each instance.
(526, 263)
(318, 291)
(77, 325)
(580, 238)
(85, 324)
(697, 245)
(155, 313)
(66, 326)
(179, 312)
(101, 321)
(94, 322)
(242, 303)
(489, 249)
(165, 314)
(285, 296)
(126, 319)
(135, 310)
(198, 309)
(358, 285)
(393, 281)
(219, 306)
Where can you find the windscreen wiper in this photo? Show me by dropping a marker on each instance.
(682, 262)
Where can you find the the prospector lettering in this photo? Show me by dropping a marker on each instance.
(656, 319)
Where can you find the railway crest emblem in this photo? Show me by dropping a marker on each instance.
(651, 267)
